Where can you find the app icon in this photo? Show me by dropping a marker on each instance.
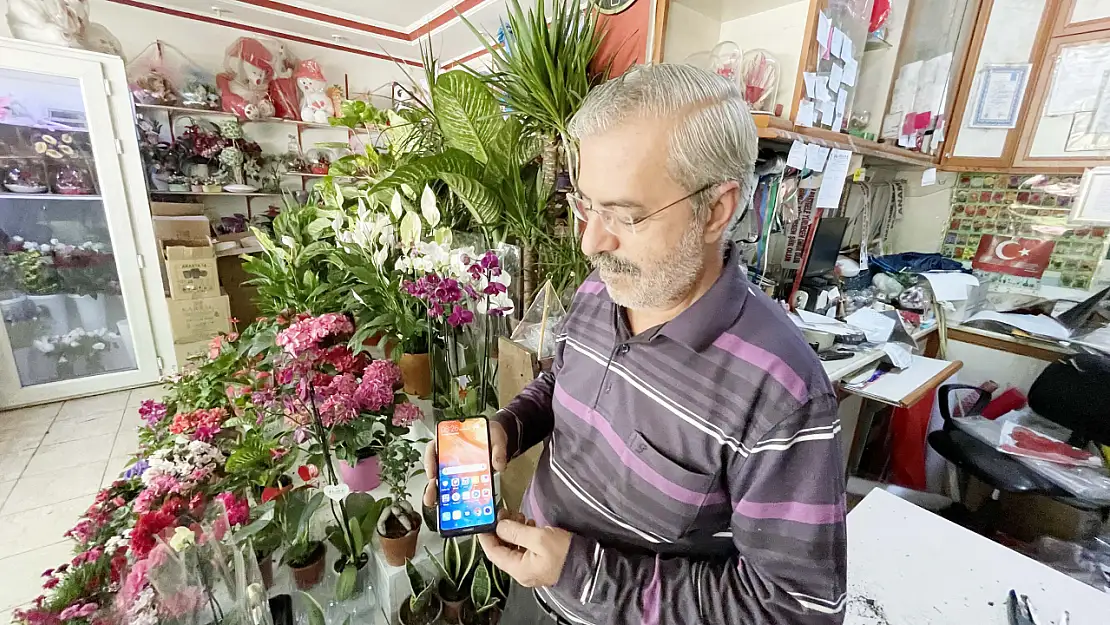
(466, 495)
(485, 478)
(485, 492)
(446, 516)
(466, 481)
(475, 494)
(455, 497)
(454, 481)
(488, 510)
(446, 498)
(446, 482)
(467, 513)
(477, 511)
(456, 515)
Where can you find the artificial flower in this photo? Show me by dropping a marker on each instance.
(182, 539)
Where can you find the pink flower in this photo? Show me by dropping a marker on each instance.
(374, 395)
(385, 371)
(460, 316)
(238, 511)
(78, 611)
(304, 336)
(152, 412)
(406, 414)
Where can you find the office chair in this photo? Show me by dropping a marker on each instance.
(1073, 392)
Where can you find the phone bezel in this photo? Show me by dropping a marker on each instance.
(474, 529)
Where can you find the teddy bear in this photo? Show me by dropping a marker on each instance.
(316, 106)
(244, 86)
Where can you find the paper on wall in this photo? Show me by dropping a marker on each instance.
(811, 89)
(1077, 78)
(847, 50)
(832, 183)
(1100, 122)
(805, 113)
(837, 122)
(851, 68)
(821, 83)
(929, 177)
(892, 125)
(828, 111)
(875, 325)
(797, 156)
(941, 66)
(951, 286)
(837, 42)
(824, 33)
(841, 103)
(905, 87)
(835, 75)
(815, 157)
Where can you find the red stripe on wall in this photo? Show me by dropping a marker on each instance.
(443, 18)
(262, 31)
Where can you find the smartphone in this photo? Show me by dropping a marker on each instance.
(467, 501)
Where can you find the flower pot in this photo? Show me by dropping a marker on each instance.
(405, 617)
(468, 616)
(92, 311)
(373, 340)
(55, 306)
(159, 181)
(362, 578)
(364, 477)
(416, 372)
(178, 187)
(213, 188)
(401, 548)
(197, 188)
(310, 574)
(451, 608)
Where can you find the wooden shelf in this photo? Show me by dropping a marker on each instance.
(46, 196)
(184, 110)
(772, 128)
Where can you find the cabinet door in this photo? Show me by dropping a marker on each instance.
(75, 320)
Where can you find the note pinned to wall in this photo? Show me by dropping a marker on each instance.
(806, 114)
(835, 74)
(905, 87)
(837, 42)
(851, 69)
(810, 80)
(797, 156)
(832, 183)
(815, 157)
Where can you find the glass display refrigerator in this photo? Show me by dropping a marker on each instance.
(80, 290)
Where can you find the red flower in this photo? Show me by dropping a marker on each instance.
(308, 472)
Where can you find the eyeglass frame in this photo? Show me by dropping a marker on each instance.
(575, 197)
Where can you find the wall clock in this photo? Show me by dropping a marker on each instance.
(612, 7)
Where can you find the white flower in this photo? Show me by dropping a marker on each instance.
(43, 346)
(395, 205)
(501, 302)
(98, 346)
(182, 538)
(28, 246)
(428, 207)
(403, 264)
(45, 249)
(54, 241)
(411, 228)
(288, 241)
(62, 360)
(17, 239)
(380, 257)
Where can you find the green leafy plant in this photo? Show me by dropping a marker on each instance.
(455, 564)
(398, 461)
(37, 274)
(423, 604)
(360, 516)
(483, 590)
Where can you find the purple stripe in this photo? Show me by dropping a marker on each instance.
(592, 287)
(534, 508)
(809, 513)
(774, 366)
(631, 460)
(650, 597)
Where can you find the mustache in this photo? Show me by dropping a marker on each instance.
(613, 265)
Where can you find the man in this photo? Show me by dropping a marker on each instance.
(692, 472)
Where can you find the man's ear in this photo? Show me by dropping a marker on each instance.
(721, 210)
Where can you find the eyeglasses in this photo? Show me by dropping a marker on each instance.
(613, 222)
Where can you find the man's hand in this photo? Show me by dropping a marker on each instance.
(533, 556)
(498, 444)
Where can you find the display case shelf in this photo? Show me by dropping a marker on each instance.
(772, 128)
(46, 196)
(216, 193)
(184, 110)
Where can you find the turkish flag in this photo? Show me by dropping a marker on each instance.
(1026, 258)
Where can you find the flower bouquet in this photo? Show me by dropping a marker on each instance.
(77, 347)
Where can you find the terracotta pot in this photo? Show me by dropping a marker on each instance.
(406, 617)
(416, 372)
(452, 610)
(310, 574)
(398, 550)
(266, 568)
(364, 476)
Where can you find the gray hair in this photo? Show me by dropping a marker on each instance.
(714, 138)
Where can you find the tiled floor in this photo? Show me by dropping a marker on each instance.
(53, 459)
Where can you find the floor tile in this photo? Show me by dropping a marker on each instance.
(147, 392)
(49, 488)
(19, 441)
(50, 458)
(23, 573)
(126, 442)
(116, 465)
(31, 529)
(5, 488)
(13, 463)
(98, 403)
(65, 431)
(35, 414)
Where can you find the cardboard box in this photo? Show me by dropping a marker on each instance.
(182, 352)
(191, 272)
(193, 228)
(196, 320)
(176, 209)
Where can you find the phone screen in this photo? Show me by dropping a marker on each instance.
(466, 497)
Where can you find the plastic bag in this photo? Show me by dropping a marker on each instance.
(537, 329)
(155, 75)
(245, 83)
(283, 88)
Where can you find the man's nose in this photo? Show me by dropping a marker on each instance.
(596, 239)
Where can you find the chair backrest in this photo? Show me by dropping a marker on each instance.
(961, 400)
(1075, 392)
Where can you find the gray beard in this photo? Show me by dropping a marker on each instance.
(660, 284)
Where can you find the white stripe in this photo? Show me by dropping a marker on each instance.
(820, 428)
(662, 400)
(809, 437)
(723, 535)
(828, 603)
(589, 583)
(816, 607)
(597, 571)
(562, 609)
(579, 492)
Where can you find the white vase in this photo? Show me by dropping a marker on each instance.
(92, 311)
(55, 306)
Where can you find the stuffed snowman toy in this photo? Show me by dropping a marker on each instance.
(316, 106)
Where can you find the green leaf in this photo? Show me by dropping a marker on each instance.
(315, 612)
(262, 522)
(483, 203)
(467, 112)
(480, 587)
(356, 537)
(345, 585)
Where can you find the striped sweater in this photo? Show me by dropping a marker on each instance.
(697, 464)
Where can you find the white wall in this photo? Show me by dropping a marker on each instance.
(925, 214)
(781, 31)
(205, 44)
(688, 31)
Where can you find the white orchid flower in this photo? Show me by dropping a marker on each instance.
(98, 346)
(411, 229)
(501, 302)
(380, 257)
(396, 206)
(45, 249)
(428, 207)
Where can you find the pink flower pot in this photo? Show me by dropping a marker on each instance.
(364, 476)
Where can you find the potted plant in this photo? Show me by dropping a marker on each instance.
(303, 554)
(360, 513)
(88, 274)
(399, 526)
(39, 279)
(488, 590)
(212, 184)
(455, 564)
(178, 183)
(77, 347)
(423, 606)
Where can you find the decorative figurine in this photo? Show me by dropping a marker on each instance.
(335, 94)
(316, 106)
(245, 85)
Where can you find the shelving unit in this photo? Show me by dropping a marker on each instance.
(46, 196)
(777, 129)
(215, 193)
(184, 110)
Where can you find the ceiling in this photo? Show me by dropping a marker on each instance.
(379, 28)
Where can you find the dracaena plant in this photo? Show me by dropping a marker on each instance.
(455, 564)
(423, 604)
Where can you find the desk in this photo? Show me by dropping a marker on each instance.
(907, 566)
(837, 370)
(1041, 350)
